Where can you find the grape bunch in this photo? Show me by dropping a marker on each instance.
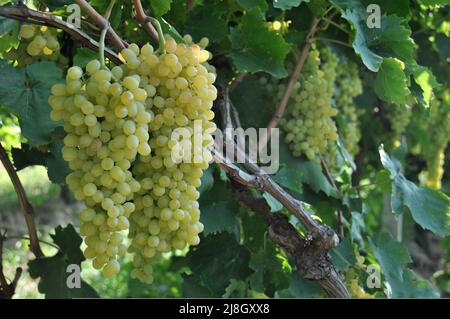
(399, 117)
(37, 43)
(181, 95)
(137, 143)
(106, 121)
(308, 123)
(348, 86)
(439, 130)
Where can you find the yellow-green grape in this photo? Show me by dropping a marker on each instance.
(100, 145)
(352, 283)
(308, 123)
(439, 131)
(180, 93)
(348, 86)
(37, 43)
(399, 116)
(279, 26)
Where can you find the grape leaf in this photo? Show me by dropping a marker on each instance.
(159, 7)
(412, 287)
(218, 210)
(208, 21)
(429, 208)
(268, 272)
(248, 4)
(26, 93)
(26, 156)
(254, 231)
(443, 46)
(392, 39)
(426, 81)
(256, 48)
(398, 7)
(343, 255)
(274, 204)
(301, 288)
(393, 257)
(287, 4)
(170, 30)
(290, 178)
(58, 168)
(192, 288)
(52, 271)
(7, 25)
(252, 102)
(391, 82)
(310, 173)
(217, 260)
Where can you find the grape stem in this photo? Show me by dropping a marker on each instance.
(109, 9)
(162, 41)
(102, 23)
(24, 203)
(101, 47)
(7, 289)
(144, 20)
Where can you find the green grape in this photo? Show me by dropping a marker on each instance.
(439, 129)
(308, 122)
(37, 43)
(399, 116)
(348, 86)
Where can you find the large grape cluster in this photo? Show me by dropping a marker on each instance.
(137, 138)
(36, 43)
(106, 121)
(348, 86)
(309, 124)
(439, 130)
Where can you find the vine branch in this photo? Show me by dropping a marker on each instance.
(311, 253)
(287, 93)
(24, 203)
(102, 23)
(22, 13)
(145, 21)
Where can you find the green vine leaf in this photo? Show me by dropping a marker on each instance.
(249, 4)
(219, 210)
(52, 271)
(160, 7)
(255, 48)
(391, 84)
(429, 208)
(393, 257)
(217, 260)
(26, 93)
(287, 4)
